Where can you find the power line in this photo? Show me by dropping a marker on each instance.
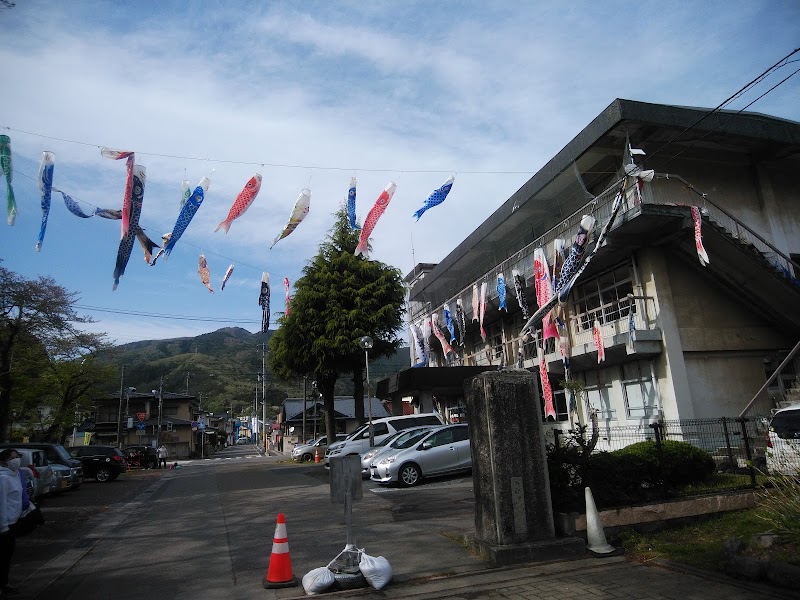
(270, 164)
(139, 313)
(730, 99)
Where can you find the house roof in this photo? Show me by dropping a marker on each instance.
(344, 406)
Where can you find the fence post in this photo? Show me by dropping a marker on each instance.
(728, 444)
(748, 452)
(658, 432)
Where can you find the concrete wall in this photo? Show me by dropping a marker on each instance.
(767, 199)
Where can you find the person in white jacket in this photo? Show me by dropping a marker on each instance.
(10, 511)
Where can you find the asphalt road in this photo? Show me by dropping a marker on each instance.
(206, 530)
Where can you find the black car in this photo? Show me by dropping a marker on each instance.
(56, 453)
(141, 457)
(104, 463)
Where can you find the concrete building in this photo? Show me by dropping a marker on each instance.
(682, 339)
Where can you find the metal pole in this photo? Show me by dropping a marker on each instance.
(305, 393)
(369, 401)
(160, 410)
(119, 414)
(265, 434)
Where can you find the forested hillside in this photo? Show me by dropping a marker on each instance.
(222, 368)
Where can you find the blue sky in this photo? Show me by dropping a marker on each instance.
(311, 93)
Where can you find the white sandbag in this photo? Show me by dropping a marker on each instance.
(376, 570)
(317, 580)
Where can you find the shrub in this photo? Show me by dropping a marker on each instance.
(673, 464)
(616, 479)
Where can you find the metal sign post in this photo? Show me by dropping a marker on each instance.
(345, 479)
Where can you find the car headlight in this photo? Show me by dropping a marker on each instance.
(369, 455)
(389, 460)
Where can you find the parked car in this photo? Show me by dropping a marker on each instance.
(104, 463)
(56, 454)
(358, 441)
(35, 461)
(306, 452)
(243, 440)
(62, 481)
(400, 440)
(441, 451)
(783, 442)
(143, 457)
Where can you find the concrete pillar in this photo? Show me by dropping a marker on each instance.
(513, 511)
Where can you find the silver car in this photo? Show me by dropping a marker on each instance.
(783, 442)
(306, 452)
(399, 441)
(441, 451)
(42, 474)
(62, 478)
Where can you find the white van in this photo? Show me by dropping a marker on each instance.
(358, 441)
(783, 442)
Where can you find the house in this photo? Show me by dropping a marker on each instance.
(132, 418)
(682, 313)
(295, 428)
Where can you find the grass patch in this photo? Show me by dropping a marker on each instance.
(700, 544)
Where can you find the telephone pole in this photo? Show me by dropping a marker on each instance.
(264, 435)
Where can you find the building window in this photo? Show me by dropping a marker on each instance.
(640, 393)
(170, 411)
(598, 394)
(603, 298)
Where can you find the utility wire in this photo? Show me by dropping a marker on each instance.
(269, 164)
(728, 100)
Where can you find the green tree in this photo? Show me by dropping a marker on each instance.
(339, 299)
(45, 358)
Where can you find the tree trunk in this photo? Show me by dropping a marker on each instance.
(325, 385)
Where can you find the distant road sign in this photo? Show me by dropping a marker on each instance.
(141, 416)
(140, 426)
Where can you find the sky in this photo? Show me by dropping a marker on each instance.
(310, 94)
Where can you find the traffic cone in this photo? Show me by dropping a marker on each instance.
(594, 529)
(316, 455)
(279, 573)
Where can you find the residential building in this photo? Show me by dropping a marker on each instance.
(682, 338)
(134, 417)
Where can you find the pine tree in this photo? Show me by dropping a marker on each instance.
(339, 299)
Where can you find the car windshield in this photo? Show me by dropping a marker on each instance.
(786, 424)
(413, 438)
(61, 451)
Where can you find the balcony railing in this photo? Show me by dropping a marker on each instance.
(666, 189)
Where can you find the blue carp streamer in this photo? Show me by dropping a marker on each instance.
(437, 197)
(351, 205)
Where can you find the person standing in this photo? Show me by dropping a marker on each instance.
(11, 492)
(162, 456)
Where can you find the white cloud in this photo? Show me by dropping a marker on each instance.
(310, 94)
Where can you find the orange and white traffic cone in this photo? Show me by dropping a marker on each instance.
(316, 455)
(279, 573)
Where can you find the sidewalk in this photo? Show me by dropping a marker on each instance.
(614, 578)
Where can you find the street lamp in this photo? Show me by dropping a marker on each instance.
(366, 343)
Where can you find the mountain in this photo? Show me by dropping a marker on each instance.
(222, 369)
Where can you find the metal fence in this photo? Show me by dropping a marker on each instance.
(738, 447)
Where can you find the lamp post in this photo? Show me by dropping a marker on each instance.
(366, 343)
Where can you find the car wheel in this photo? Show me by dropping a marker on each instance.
(307, 457)
(103, 474)
(409, 475)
